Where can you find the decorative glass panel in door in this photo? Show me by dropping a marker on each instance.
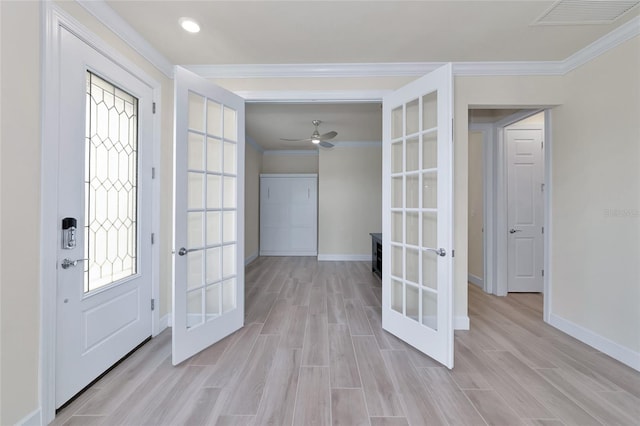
(417, 224)
(209, 272)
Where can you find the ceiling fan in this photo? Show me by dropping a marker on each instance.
(316, 137)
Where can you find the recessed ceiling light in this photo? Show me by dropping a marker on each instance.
(189, 25)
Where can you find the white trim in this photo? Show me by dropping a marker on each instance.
(548, 223)
(299, 152)
(601, 343)
(165, 322)
(313, 96)
(508, 68)
(344, 257)
(55, 18)
(605, 43)
(109, 18)
(476, 280)
(253, 256)
(32, 419)
(461, 323)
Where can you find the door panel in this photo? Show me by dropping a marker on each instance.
(208, 289)
(417, 289)
(524, 215)
(104, 279)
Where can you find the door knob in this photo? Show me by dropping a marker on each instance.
(513, 231)
(68, 263)
(184, 251)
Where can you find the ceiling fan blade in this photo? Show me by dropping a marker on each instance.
(328, 135)
(325, 144)
(295, 140)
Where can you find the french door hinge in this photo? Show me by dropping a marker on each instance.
(542, 187)
(153, 173)
(153, 108)
(453, 253)
(543, 229)
(153, 304)
(543, 272)
(541, 144)
(153, 238)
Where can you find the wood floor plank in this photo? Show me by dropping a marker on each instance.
(356, 318)
(316, 341)
(313, 402)
(228, 420)
(384, 339)
(257, 312)
(380, 394)
(276, 407)
(294, 334)
(590, 401)
(623, 401)
(388, 421)
(65, 414)
(543, 422)
(348, 408)
(213, 353)
(420, 408)
(557, 402)
(84, 421)
(200, 409)
(344, 368)
(453, 404)
(233, 359)
(245, 396)
(318, 301)
(336, 313)
(493, 409)
(278, 318)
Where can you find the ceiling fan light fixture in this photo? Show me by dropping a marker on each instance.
(315, 140)
(189, 25)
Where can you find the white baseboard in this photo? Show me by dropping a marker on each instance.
(169, 318)
(461, 323)
(344, 257)
(476, 280)
(253, 256)
(288, 253)
(601, 343)
(165, 322)
(32, 419)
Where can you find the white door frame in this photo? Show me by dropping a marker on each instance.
(54, 20)
(495, 203)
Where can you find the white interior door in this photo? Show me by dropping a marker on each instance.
(524, 211)
(208, 288)
(103, 306)
(417, 280)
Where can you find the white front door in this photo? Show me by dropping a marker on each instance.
(104, 250)
(417, 280)
(524, 211)
(208, 288)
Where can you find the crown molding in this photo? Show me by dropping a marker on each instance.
(109, 18)
(306, 96)
(105, 14)
(624, 32)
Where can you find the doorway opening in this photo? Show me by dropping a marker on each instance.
(508, 207)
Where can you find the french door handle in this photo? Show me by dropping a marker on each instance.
(513, 231)
(440, 252)
(184, 251)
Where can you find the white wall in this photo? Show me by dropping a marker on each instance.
(350, 201)
(253, 166)
(476, 205)
(596, 198)
(291, 162)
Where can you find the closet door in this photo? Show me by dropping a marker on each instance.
(288, 215)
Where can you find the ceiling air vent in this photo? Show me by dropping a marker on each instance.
(581, 12)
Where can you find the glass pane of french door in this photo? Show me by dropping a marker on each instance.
(414, 210)
(211, 209)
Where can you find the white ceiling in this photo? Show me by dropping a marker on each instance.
(315, 32)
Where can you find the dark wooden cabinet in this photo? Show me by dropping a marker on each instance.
(376, 254)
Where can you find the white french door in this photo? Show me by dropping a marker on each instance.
(208, 287)
(103, 295)
(417, 282)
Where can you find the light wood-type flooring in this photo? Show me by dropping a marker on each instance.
(313, 353)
